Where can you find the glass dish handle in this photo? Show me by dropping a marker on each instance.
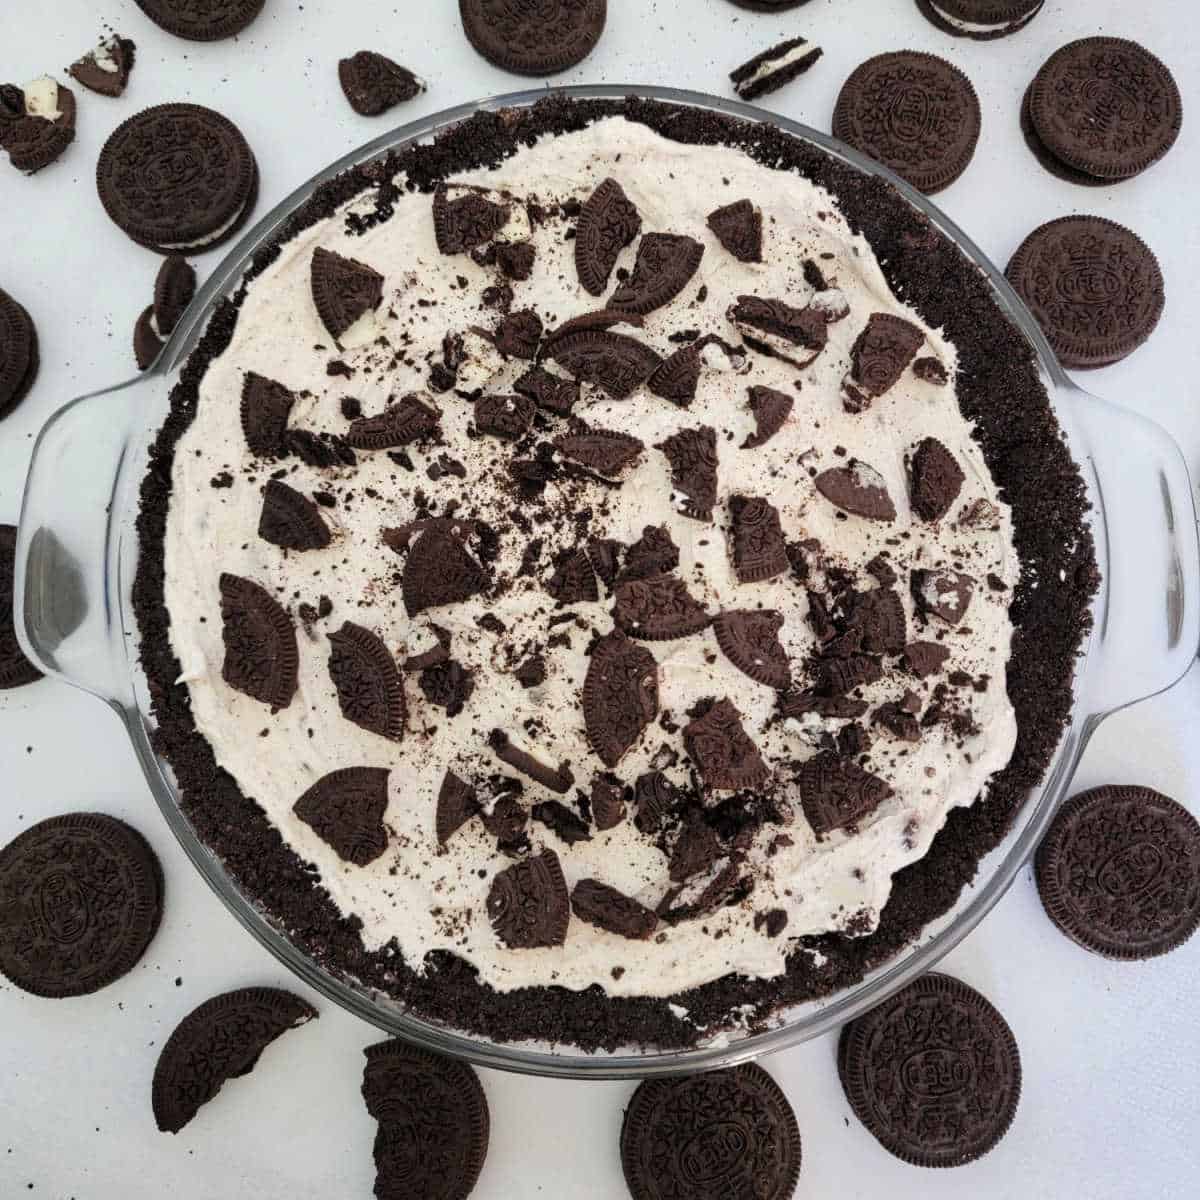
(67, 561)
(1148, 619)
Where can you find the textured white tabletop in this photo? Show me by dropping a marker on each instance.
(1112, 1090)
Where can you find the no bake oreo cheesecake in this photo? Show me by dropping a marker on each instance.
(614, 557)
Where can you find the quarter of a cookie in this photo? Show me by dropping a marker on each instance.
(770, 70)
(433, 1119)
(373, 83)
(80, 899)
(933, 1073)
(1106, 106)
(207, 21)
(981, 20)
(913, 112)
(539, 39)
(177, 178)
(18, 354)
(222, 1039)
(1119, 872)
(724, 1135)
(105, 70)
(1094, 286)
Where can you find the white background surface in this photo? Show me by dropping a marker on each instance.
(1111, 1104)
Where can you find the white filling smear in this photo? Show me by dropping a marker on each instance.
(428, 899)
(41, 98)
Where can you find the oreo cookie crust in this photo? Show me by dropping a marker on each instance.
(1094, 287)
(1119, 872)
(913, 112)
(177, 178)
(933, 1073)
(540, 39)
(220, 1040)
(723, 1135)
(1051, 537)
(202, 20)
(1106, 106)
(80, 900)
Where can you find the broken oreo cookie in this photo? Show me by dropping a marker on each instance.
(528, 903)
(620, 696)
(261, 658)
(607, 224)
(373, 83)
(345, 809)
(369, 685)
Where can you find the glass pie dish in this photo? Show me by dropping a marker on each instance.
(78, 551)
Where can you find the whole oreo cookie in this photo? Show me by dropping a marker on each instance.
(724, 1135)
(981, 20)
(1119, 872)
(15, 668)
(769, 5)
(933, 1073)
(18, 353)
(202, 20)
(1094, 286)
(177, 177)
(1106, 106)
(537, 39)
(80, 900)
(222, 1039)
(1058, 169)
(434, 1123)
(913, 112)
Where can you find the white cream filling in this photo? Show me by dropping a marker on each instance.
(776, 64)
(428, 899)
(976, 26)
(104, 56)
(209, 238)
(41, 98)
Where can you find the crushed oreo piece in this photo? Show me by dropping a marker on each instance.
(692, 455)
(620, 696)
(611, 910)
(448, 685)
(369, 685)
(568, 826)
(943, 593)
(759, 551)
(518, 334)
(507, 417)
(528, 903)
(345, 809)
(857, 488)
(770, 70)
(721, 749)
(439, 570)
(468, 221)
(261, 657)
(607, 802)
(456, 805)
(614, 362)
(607, 224)
(835, 792)
(551, 392)
(266, 406)
(749, 638)
(290, 519)
(935, 479)
(604, 451)
(404, 422)
(343, 289)
(373, 83)
(796, 335)
(574, 580)
(654, 553)
(878, 358)
(738, 227)
(665, 264)
(658, 609)
(771, 409)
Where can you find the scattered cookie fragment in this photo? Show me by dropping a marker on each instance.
(770, 70)
(373, 83)
(345, 809)
(105, 70)
(37, 123)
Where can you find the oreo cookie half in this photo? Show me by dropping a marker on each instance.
(1119, 872)
(933, 1073)
(177, 177)
(80, 899)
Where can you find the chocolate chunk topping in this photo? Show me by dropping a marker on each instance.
(515, 259)
(665, 263)
(655, 799)
(368, 682)
(898, 721)
(1119, 872)
(323, 450)
(607, 802)
(261, 658)
(879, 357)
(930, 370)
(611, 910)
(614, 362)
(532, 672)
(460, 225)
(551, 392)
(725, 755)
(835, 792)
(568, 826)
(933, 1073)
(738, 227)
(80, 900)
(439, 570)
(605, 556)
(797, 335)
(266, 406)
(343, 289)
(923, 659)
(658, 609)
(174, 287)
(859, 489)
(518, 334)
(433, 1119)
(696, 849)
(557, 779)
(773, 922)
(507, 819)
(507, 417)
(574, 581)
(943, 593)
(448, 685)
(435, 655)
(749, 638)
(840, 708)
(654, 553)
(601, 450)
(607, 224)
(838, 676)
(878, 618)
(291, 520)
(222, 1039)
(935, 479)
(759, 551)
(345, 808)
(770, 409)
(456, 805)
(405, 421)
(528, 903)
(620, 696)
(373, 83)
(692, 455)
